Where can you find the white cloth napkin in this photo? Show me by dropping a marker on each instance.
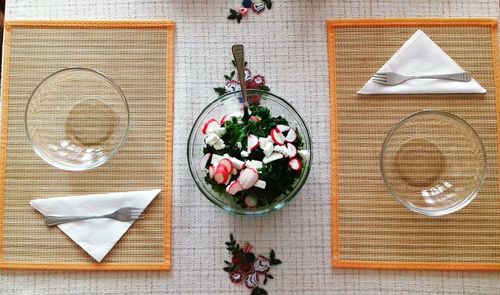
(96, 236)
(420, 55)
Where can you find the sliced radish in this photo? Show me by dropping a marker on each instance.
(282, 128)
(227, 163)
(234, 171)
(304, 154)
(211, 171)
(237, 163)
(248, 177)
(227, 180)
(295, 164)
(291, 136)
(223, 120)
(260, 184)
(277, 136)
(271, 158)
(216, 159)
(250, 201)
(292, 149)
(234, 187)
(220, 177)
(252, 142)
(255, 119)
(210, 124)
(204, 161)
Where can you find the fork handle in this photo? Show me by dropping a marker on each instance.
(51, 220)
(463, 77)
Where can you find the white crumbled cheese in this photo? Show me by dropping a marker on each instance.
(238, 145)
(304, 154)
(244, 154)
(282, 150)
(254, 164)
(237, 114)
(219, 131)
(214, 141)
(268, 149)
(264, 140)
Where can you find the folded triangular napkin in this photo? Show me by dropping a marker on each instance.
(96, 236)
(418, 56)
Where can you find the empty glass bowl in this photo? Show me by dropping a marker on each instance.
(433, 162)
(77, 119)
(229, 104)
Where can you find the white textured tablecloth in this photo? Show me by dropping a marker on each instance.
(288, 46)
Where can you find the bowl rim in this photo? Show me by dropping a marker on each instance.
(57, 164)
(276, 206)
(441, 212)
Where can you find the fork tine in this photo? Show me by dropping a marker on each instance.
(379, 80)
(381, 75)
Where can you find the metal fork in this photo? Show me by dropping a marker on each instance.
(122, 214)
(393, 78)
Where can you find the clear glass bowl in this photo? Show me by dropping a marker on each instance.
(77, 119)
(433, 162)
(228, 104)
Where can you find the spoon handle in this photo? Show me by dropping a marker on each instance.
(239, 60)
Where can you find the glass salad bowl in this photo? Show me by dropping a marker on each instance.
(223, 109)
(433, 162)
(77, 119)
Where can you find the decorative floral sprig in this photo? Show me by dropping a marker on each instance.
(253, 82)
(245, 266)
(246, 5)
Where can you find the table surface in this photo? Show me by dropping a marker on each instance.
(288, 46)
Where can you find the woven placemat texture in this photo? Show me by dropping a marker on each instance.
(370, 228)
(138, 57)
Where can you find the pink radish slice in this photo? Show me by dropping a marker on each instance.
(227, 180)
(260, 184)
(210, 122)
(248, 177)
(252, 142)
(291, 135)
(204, 161)
(234, 171)
(250, 201)
(227, 163)
(234, 187)
(282, 128)
(295, 164)
(255, 119)
(211, 171)
(237, 163)
(277, 136)
(223, 120)
(292, 149)
(220, 177)
(272, 157)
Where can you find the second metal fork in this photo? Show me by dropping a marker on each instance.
(122, 214)
(393, 78)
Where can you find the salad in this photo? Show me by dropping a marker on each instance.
(254, 159)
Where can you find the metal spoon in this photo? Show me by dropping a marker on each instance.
(239, 60)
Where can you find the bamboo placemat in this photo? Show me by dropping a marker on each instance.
(138, 57)
(370, 228)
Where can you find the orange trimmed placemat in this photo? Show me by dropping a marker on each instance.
(370, 229)
(139, 58)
